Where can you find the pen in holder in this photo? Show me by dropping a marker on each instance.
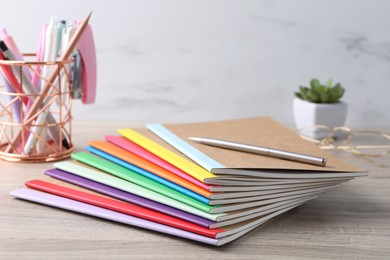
(45, 135)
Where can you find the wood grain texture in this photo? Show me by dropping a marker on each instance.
(351, 222)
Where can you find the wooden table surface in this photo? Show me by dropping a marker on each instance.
(350, 222)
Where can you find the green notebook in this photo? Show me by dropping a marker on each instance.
(138, 179)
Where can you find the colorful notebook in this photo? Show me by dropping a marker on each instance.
(153, 171)
(145, 154)
(131, 176)
(97, 175)
(115, 152)
(59, 188)
(71, 192)
(84, 208)
(233, 218)
(102, 177)
(158, 180)
(219, 199)
(167, 155)
(125, 196)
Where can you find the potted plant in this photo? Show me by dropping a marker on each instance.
(319, 105)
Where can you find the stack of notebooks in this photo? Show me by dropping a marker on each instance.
(157, 179)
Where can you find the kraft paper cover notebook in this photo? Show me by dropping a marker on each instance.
(250, 184)
(261, 131)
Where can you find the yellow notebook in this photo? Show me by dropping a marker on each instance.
(180, 162)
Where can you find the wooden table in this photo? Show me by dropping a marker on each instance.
(351, 222)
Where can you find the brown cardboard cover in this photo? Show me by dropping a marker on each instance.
(261, 131)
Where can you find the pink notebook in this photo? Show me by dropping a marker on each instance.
(145, 154)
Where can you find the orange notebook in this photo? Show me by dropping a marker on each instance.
(146, 165)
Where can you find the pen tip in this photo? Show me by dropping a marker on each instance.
(194, 139)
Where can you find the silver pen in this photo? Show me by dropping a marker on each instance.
(262, 150)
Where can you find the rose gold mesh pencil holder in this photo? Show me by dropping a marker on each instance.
(46, 135)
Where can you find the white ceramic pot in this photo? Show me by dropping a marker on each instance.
(307, 114)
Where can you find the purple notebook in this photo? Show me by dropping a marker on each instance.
(125, 196)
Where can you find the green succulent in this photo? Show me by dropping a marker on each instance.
(318, 93)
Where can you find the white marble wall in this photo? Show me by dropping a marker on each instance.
(197, 60)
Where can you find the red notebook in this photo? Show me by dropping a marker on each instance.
(120, 206)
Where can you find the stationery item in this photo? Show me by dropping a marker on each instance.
(267, 151)
(8, 71)
(39, 57)
(82, 195)
(76, 75)
(138, 179)
(233, 184)
(20, 74)
(80, 207)
(52, 43)
(244, 195)
(35, 132)
(60, 26)
(5, 75)
(9, 41)
(243, 216)
(226, 220)
(218, 199)
(191, 168)
(50, 49)
(257, 131)
(125, 196)
(67, 34)
(86, 48)
(182, 163)
(189, 206)
(136, 160)
(61, 80)
(98, 176)
(107, 179)
(40, 99)
(73, 69)
(145, 154)
(68, 191)
(30, 90)
(149, 175)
